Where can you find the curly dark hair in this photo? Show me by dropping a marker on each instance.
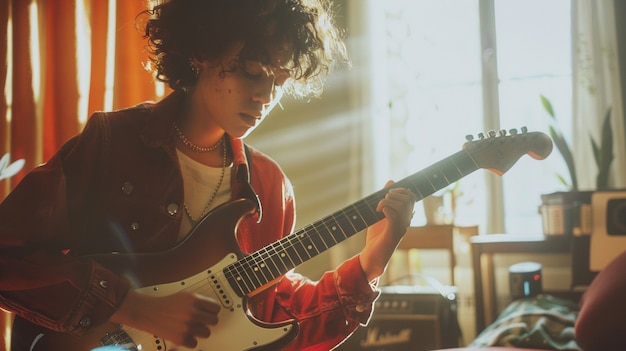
(180, 30)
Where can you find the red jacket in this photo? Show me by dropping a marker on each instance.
(117, 187)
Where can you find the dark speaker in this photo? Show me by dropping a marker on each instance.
(525, 279)
(409, 318)
(616, 217)
(608, 232)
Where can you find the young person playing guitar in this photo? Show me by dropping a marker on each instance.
(138, 181)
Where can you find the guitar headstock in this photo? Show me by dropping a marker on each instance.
(498, 151)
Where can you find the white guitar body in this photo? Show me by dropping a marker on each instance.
(234, 330)
(237, 329)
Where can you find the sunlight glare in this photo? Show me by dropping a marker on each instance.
(159, 88)
(110, 59)
(8, 321)
(8, 89)
(35, 53)
(83, 59)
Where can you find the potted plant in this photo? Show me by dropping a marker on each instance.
(564, 212)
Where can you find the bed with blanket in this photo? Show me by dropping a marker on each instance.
(595, 323)
(540, 322)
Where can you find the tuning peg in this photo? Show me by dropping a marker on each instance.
(492, 133)
(469, 137)
(481, 136)
(513, 131)
(524, 130)
(502, 132)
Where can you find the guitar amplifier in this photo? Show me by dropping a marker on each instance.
(409, 318)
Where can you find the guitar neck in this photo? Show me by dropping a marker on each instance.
(267, 264)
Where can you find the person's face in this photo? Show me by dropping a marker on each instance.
(237, 95)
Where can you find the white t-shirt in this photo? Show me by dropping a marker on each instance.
(199, 183)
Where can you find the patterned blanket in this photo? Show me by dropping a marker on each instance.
(540, 322)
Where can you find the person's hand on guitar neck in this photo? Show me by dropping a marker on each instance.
(384, 236)
(181, 318)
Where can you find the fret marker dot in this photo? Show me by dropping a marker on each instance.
(262, 265)
(334, 228)
(256, 269)
(282, 255)
(309, 247)
(353, 217)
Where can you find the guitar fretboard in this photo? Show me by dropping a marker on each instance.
(261, 267)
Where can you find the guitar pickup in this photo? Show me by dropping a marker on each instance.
(219, 290)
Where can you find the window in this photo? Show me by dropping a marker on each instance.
(447, 68)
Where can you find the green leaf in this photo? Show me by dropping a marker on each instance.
(547, 106)
(563, 181)
(561, 144)
(597, 153)
(564, 149)
(605, 153)
(607, 140)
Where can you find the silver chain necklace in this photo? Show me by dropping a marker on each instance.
(192, 146)
(217, 188)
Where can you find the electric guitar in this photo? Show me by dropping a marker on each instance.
(220, 270)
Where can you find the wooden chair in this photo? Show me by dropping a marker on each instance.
(441, 237)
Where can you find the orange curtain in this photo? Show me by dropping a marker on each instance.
(24, 127)
(99, 38)
(60, 69)
(39, 109)
(132, 83)
(4, 142)
(44, 99)
(4, 18)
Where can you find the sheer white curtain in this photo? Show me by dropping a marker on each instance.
(426, 65)
(424, 91)
(596, 87)
(428, 68)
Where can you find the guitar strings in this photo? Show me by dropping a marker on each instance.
(248, 267)
(259, 260)
(244, 272)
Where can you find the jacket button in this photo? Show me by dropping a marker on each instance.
(127, 188)
(103, 284)
(134, 226)
(85, 322)
(172, 209)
